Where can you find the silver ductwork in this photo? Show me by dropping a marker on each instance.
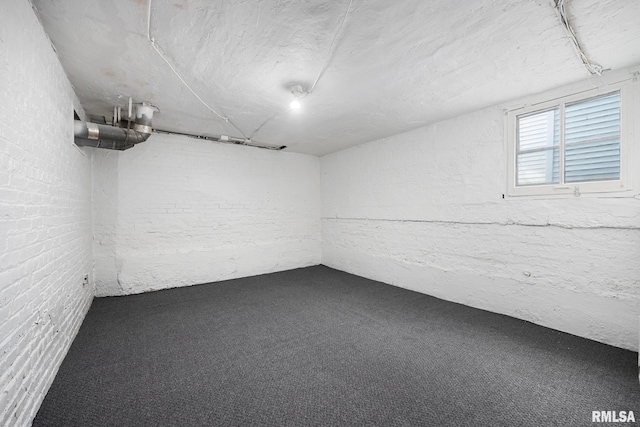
(122, 137)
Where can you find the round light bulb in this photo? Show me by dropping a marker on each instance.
(295, 104)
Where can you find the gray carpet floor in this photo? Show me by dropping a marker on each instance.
(320, 347)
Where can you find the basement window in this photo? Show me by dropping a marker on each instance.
(571, 145)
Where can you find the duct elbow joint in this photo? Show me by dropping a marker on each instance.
(142, 129)
(114, 137)
(142, 121)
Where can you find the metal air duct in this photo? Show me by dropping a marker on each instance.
(114, 137)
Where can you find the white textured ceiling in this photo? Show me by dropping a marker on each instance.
(395, 66)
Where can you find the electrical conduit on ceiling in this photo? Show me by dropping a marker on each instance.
(591, 67)
(224, 138)
(158, 50)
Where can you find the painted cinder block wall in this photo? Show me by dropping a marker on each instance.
(424, 210)
(45, 215)
(177, 211)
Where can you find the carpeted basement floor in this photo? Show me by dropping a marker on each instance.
(319, 347)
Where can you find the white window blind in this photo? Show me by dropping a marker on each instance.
(538, 145)
(589, 142)
(592, 139)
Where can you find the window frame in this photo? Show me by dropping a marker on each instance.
(622, 184)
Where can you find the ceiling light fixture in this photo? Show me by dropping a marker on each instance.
(297, 92)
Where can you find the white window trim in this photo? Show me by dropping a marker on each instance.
(628, 97)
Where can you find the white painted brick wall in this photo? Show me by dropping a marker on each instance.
(45, 215)
(424, 210)
(420, 210)
(176, 211)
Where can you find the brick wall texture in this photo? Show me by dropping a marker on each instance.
(45, 215)
(422, 210)
(177, 211)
